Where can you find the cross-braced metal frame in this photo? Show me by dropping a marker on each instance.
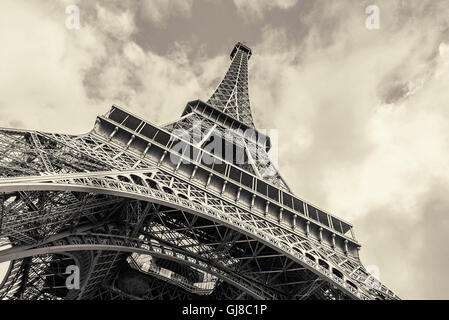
(144, 220)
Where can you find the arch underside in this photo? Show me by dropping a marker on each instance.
(77, 196)
(100, 232)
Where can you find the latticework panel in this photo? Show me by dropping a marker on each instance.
(139, 226)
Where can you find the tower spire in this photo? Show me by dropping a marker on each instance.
(231, 95)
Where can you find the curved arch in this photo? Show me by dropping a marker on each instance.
(311, 257)
(338, 273)
(152, 184)
(183, 196)
(137, 179)
(168, 190)
(157, 251)
(193, 207)
(323, 263)
(9, 285)
(124, 178)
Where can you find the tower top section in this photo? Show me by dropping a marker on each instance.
(241, 46)
(231, 95)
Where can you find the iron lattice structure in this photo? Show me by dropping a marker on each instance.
(144, 220)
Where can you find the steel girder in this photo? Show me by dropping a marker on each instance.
(105, 193)
(231, 94)
(95, 200)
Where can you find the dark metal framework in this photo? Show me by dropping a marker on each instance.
(143, 220)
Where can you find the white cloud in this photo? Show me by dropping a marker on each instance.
(117, 23)
(158, 11)
(256, 9)
(78, 74)
(42, 68)
(134, 54)
(344, 147)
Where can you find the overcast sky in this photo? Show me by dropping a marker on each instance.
(363, 115)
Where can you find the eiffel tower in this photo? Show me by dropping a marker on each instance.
(141, 211)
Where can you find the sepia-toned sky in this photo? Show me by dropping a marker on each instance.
(363, 115)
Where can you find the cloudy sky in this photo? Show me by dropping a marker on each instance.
(363, 115)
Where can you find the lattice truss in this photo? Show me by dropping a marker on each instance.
(138, 229)
(231, 95)
(100, 216)
(250, 156)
